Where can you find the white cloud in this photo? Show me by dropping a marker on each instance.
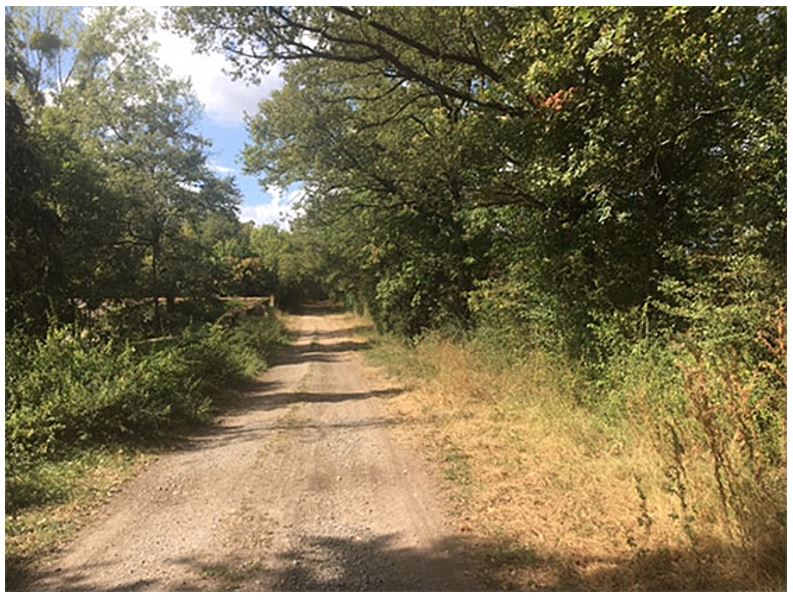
(224, 99)
(221, 170)
(278, 211)
(88, 13)
(190, 187)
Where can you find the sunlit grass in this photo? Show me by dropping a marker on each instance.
(596, 502)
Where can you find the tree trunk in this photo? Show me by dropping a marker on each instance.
(155, 284)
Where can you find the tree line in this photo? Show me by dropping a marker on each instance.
(570, 172)
(111, 200)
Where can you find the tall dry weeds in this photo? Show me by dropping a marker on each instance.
(735, 419)
(690, 500)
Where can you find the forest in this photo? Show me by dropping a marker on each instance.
(601, 191)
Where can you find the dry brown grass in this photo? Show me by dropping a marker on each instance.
(570, 504)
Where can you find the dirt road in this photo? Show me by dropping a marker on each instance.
(301, 487)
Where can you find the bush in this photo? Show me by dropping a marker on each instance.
(67, 392)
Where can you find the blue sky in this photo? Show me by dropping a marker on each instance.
(225, 103)
(227, 142)
(259, 205)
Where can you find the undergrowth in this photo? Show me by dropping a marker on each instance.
(664, 469)
(82, 412)
(66, 394)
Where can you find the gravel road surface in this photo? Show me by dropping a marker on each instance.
(301, 486)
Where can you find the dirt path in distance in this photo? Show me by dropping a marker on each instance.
(300, 487)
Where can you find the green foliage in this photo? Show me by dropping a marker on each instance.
(67, 392)
(109, 185)
(546, 169)
(32, 264)
(291, 259)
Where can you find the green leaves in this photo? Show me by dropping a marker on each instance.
(127, 180)
(594, 140)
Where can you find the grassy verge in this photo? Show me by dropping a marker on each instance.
(82, 414)
(77, 486)
(580, 498)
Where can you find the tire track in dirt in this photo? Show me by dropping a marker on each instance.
(300, 487)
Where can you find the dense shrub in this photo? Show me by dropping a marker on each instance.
(67, 392)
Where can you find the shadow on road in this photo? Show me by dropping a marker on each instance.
(319, 308)
(347, 332)
(318, 352)
(381, 563)
(220, 433)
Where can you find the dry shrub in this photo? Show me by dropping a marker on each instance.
(735, 423)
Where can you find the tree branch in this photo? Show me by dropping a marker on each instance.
(423, 49)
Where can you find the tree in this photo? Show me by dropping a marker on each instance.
(580, 159)
(33, 269)
(128, 181)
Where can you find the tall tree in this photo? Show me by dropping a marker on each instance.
(128, 176)
(575, 161)
(33, 269)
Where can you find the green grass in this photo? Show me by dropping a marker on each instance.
(61, 495)
(398, 358)
(457, 468)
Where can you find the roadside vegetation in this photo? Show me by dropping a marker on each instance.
(66, 392)
(658, 476)
(567, 224)
(136, 302)
(573, 220)
(84, 412)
